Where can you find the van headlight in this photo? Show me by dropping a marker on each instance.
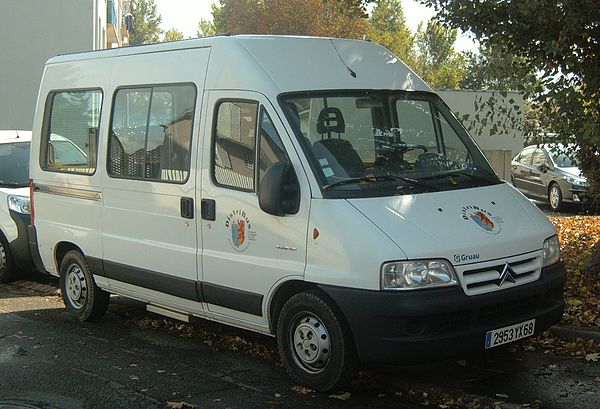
(415, 274)
(19, 204)
(551, 251)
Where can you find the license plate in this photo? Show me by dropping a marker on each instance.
(508, 334)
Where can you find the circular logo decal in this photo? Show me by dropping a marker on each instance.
(239, 229)
(483, 219)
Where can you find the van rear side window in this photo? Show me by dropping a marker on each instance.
(151, 133)
(71, 131)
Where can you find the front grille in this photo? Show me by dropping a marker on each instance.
(480, 278)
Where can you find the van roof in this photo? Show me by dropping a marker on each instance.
(14, 135)
(291, 63)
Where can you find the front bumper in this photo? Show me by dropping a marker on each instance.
(416, 326)
(578, 195)
(19, 247)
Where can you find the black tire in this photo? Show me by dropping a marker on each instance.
(329, 349)
(8, 270)
(82, 297)
(555, 197)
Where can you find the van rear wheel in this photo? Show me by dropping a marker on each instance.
(314, 343)
(82, 297)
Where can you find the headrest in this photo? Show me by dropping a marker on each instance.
(330, 120)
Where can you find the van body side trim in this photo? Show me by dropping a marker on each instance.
(96, 265)
(69, 192)
(233, 298)
(177, 286)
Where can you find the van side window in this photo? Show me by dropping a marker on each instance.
(71, 131)
(151, 133)
(270, 147)
(234, 144)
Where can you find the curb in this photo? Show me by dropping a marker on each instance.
(570, 332)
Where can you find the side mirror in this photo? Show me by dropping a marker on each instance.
(278, 193)
(543, 168)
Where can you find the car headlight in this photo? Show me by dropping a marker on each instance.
(576, 181)
(19, 204)
(415, 274)
(551, 251)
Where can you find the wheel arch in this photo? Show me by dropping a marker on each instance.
(288, 289)
(61, 249)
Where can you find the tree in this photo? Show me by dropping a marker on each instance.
(495, 69)
(173, 35)
(206, 28)
(437, 61)
(146, 22)
(559, 39)
(336, 18)
(387, 26)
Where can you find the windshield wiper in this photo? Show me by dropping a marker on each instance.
(379, 178)
(481, 178)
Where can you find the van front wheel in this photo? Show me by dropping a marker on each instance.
(8, 271)
(314, 343)
(82, 297)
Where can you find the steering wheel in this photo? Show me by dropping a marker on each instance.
(435, 161)
(409, 147)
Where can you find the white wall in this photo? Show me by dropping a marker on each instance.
(508, 136)
(31, 31)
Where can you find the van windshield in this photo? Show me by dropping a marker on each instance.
(14, 164)
(374, 143)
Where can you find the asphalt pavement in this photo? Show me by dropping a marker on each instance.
(48, 360)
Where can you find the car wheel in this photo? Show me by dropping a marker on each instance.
(82, 297)
(314, 343)
(8, 270)
(555, 197)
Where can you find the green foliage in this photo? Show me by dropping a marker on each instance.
(206, 28)
(337, 18)
(495, 69)
(146, 22)
(561, 41)
(498, 114)
(173, 35)
(387, 26)
(437, 61)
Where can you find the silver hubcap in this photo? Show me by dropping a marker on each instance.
(310, 342)
(76, 286)
(554, 197)
(2, 257)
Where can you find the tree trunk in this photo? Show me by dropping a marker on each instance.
(593, 266)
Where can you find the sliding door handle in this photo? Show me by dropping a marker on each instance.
(208, 208)
(187, 207)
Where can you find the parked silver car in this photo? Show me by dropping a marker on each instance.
(545, 172)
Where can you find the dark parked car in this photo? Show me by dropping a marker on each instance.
(546, 172)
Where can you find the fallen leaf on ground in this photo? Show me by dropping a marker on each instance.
(179, 405)
(592, 357)
(302, 390)
(342, 396)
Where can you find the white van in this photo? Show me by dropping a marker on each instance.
(15, 256)
(309, 188)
